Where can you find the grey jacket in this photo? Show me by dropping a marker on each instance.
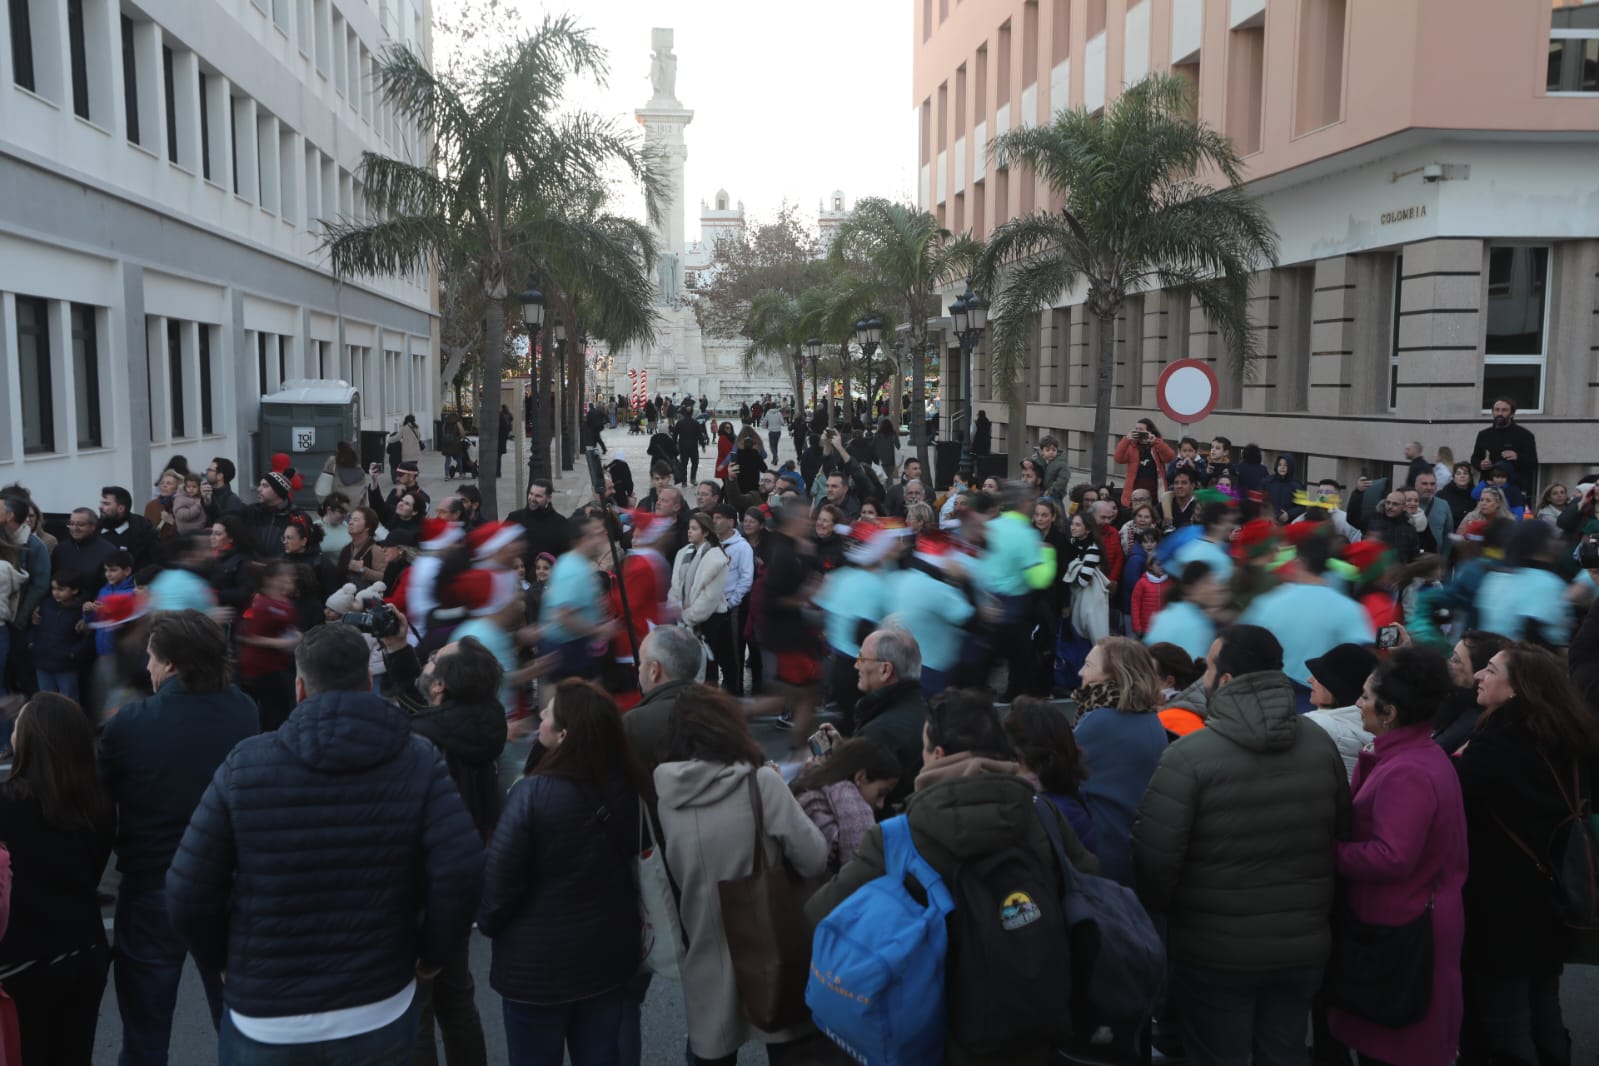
(1234, 838)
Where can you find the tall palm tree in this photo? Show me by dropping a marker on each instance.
(1143, 209)
(507, 161)
(906, 258)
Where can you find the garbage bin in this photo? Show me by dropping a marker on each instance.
(306, 419)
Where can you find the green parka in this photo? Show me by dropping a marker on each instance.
(1234, 838)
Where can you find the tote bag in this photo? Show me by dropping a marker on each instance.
(767, 937)
(1091, 608)
(662, 926)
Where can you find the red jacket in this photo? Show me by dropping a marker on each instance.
(1112, 561)
(1148, 598)
(1127, 455)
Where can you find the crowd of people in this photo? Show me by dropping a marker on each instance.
(1281, 717)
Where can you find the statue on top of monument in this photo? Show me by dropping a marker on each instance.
(663, 67)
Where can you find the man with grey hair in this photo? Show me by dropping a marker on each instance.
(892, 710)
(669, 661)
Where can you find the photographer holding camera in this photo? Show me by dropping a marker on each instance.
(1144, 455)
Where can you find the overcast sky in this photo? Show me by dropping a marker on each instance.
(790, 101)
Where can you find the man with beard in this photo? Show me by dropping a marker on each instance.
(271, 512)
(126, 530)
(216, 488)
(1234, 844)
(83, 550)
(545, 531)
(1507, 441)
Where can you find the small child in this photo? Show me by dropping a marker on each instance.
(1149, 595)
(60, 639)
(188, 509)
(267, 638)
(118, 578)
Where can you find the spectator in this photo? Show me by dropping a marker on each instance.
(399, 878)
(57, 825)
(358, 560)
(546, 531)
(267, 636)
(273, 510)
(1234, 845)
(405, 443)
(699, 585)
(217, 490)
(158, 512)
(843, 793)
(157, 756)
(188, 509)
(1122, 740)
(60, 640)
(1506, 441)
(892, 709)
(84, 550)
(1046, 748)
(1335, 687)
(1144, 456)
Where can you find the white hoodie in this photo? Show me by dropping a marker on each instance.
(1343, 725)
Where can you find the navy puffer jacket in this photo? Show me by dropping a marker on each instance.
(558, 898)
(325, 861)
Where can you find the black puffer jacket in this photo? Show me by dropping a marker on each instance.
(558, 896)
(1234, 838)
(325, 860)
(470, 735)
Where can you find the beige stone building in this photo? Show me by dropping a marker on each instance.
(1431, 166)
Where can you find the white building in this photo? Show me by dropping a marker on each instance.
(166, 166)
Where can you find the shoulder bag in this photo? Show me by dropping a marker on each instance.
(767, 936)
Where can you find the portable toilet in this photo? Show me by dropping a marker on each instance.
(306, 419)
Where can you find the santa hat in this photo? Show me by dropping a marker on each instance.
(870, 542)
(1257, 539)
(490, 537)
(1367, 560)
(474, 593)
(935, 548)
(283, 476)
(648, 527)
(1296, 533)
(119, 608)
(439, 533)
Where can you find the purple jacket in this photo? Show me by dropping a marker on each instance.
(1408, 844)
(843, 815)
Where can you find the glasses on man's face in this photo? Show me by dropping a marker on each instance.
(868, 659)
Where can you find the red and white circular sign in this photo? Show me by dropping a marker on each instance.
(1187, 390)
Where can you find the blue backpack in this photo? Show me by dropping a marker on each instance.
(877, 965)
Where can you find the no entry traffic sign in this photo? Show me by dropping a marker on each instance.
(1187, 390)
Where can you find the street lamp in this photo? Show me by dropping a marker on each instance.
(869, 332)
(533, 319)
(558, 409)
(970, 312)
(814, 347)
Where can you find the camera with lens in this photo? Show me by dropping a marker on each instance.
(380, 621)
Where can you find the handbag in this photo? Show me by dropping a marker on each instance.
(767, 937)
(662, 926)
(1382, 973)
(1091, 607)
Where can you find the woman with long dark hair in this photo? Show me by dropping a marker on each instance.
(57, 822)
(231, 557)
(708, 820)
(1521, 774)
(1047, 749)
(844, 792)
(558, 896)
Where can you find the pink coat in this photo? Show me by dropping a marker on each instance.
(1408, 843)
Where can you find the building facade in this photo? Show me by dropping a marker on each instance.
(167, 165)
(1428, 164)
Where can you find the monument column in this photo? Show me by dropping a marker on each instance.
(664, 119)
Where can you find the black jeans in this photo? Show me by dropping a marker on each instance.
(148, 968)
(58, 1008)
(451, 998)
(718, 633)
(1233, 1019)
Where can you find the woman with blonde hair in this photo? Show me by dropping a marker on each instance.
(1121, 738)
(159, 509)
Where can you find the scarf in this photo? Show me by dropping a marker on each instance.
(1092, 697)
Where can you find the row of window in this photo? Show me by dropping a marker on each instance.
(1516, 327)
(209, 129)
(1573, 47)
(44, 339)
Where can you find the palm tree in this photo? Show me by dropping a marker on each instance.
(1141, 211)
(906, 259)
(508, 163)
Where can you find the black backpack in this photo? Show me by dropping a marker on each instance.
(1009, 970)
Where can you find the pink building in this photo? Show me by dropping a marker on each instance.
(1431, 166)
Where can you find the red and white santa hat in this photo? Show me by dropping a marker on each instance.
(935, 547)
(648, 527)
(870, 542)
(119, 608)
(490, 537)
(438, 534)
(473, 592)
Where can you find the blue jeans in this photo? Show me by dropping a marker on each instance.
(587, 1029)
(146, 968)
(64, 682)
(1235, 1019)
(392, 1045)
(631, 1039)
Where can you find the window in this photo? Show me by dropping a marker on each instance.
(1096, 17)
(33, 358)
(942, 132)
(1060, 47)
(205, 126)
(960, 102)
(78, 53)
(1393, 333)
(1029, 46)
(86, 372)
(261, 363)
(1189, 72)
(1002, 68)
(1574, 47)
(1246, 72)
(927, 18)
(1514, 346)
(207, 401)
(1318, 94)
(22, 44)
(171, 104)
(980, 87)
(175, 376)
(130, 80)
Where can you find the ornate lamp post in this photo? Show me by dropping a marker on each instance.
(533, 319)
(869, 333)
(814, 348)
(970, 313)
